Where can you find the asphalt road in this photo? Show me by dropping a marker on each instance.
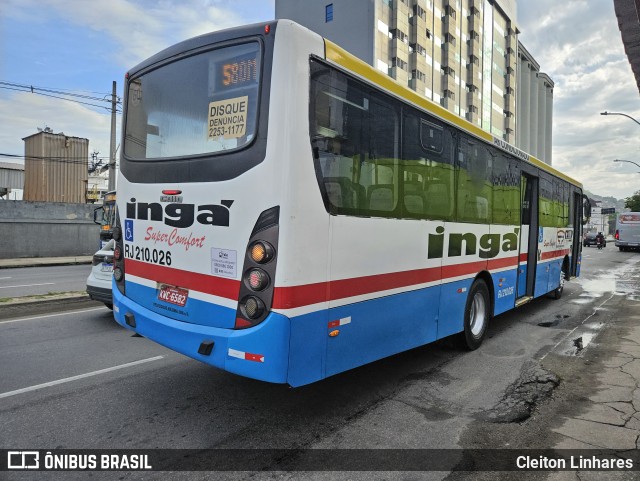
(78, 380)
(33, 281)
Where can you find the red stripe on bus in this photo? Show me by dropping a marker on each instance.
(217, 286)
(553, 254)
(304, 295)
(298, 296)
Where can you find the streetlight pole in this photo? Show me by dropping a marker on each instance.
(629, 161)
(619, 113)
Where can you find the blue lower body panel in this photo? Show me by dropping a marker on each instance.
(260, 352)
(304, 349)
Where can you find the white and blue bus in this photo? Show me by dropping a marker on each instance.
(287, 212)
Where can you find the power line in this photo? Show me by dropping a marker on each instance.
(69, 92)
(62, 160)
(41, 91)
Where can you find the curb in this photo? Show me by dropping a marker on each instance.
(44, 261)
(29, 306)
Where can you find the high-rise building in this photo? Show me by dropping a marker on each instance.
(535, 107)
(461, 54)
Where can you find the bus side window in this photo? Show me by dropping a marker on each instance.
(545, 202)
(355, 142)
(475, 192)
(427, 148)
(506, 191)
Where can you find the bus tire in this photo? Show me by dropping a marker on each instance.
(477, 313)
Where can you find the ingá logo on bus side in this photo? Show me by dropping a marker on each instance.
(487, 246)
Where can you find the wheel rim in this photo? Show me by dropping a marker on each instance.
(478, 314)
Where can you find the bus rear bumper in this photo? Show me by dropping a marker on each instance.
(260, 352)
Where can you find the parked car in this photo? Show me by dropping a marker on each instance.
(99, 281)
(590, 240)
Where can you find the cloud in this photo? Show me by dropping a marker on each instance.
(128, 31)
(578, 44)
(139, 28)
(73, 119)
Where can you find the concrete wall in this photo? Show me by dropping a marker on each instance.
(46, 229)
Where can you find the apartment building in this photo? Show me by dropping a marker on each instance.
(461, 54)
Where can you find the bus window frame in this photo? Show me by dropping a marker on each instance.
(206, 167)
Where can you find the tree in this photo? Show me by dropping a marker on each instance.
(633, 202)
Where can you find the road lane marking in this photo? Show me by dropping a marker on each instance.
(80, 376)
(66, 313)
(29, 285)
(3, 278)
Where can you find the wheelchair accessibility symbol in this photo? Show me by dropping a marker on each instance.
(128, 230)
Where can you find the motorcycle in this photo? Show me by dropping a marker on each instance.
(600, 243)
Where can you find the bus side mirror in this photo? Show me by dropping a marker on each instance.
(586, 209)
(95, 215)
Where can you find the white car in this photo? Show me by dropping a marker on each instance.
(99, 281)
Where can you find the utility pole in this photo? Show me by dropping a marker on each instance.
(112, 147)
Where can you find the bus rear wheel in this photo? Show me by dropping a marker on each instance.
(477, 313)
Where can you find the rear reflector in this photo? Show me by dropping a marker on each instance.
(247, 356)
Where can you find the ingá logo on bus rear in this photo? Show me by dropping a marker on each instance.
(181, 215)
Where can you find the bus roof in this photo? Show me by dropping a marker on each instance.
(344, 59)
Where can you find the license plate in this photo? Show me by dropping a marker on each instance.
(106, 268)
(173, 295)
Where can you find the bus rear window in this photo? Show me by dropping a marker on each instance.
(202, 104)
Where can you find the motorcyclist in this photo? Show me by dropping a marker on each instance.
(600, 239)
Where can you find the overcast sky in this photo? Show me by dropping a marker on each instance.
(83, 45)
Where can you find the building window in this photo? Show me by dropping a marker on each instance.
(328, 13)
(418, 11)
(398, 62)
(449, 10)
(416, 47)
(417, 74)
(399, 34)
(448, 38)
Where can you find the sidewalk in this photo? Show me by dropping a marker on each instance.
(43, 261)
(41, 304)
(610, 414)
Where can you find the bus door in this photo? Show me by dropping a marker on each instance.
(576, 220)
(529, 236)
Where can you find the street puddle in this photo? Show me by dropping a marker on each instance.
(580, 339)
(619, 282)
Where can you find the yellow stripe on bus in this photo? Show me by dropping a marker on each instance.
(341, 57)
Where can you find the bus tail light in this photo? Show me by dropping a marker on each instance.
(256, 290)
(252, 307)
(261, 252)
(617, 234)
(118, 274)
(118, 257)
(257, 279)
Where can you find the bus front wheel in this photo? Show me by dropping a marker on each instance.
(477, 313)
